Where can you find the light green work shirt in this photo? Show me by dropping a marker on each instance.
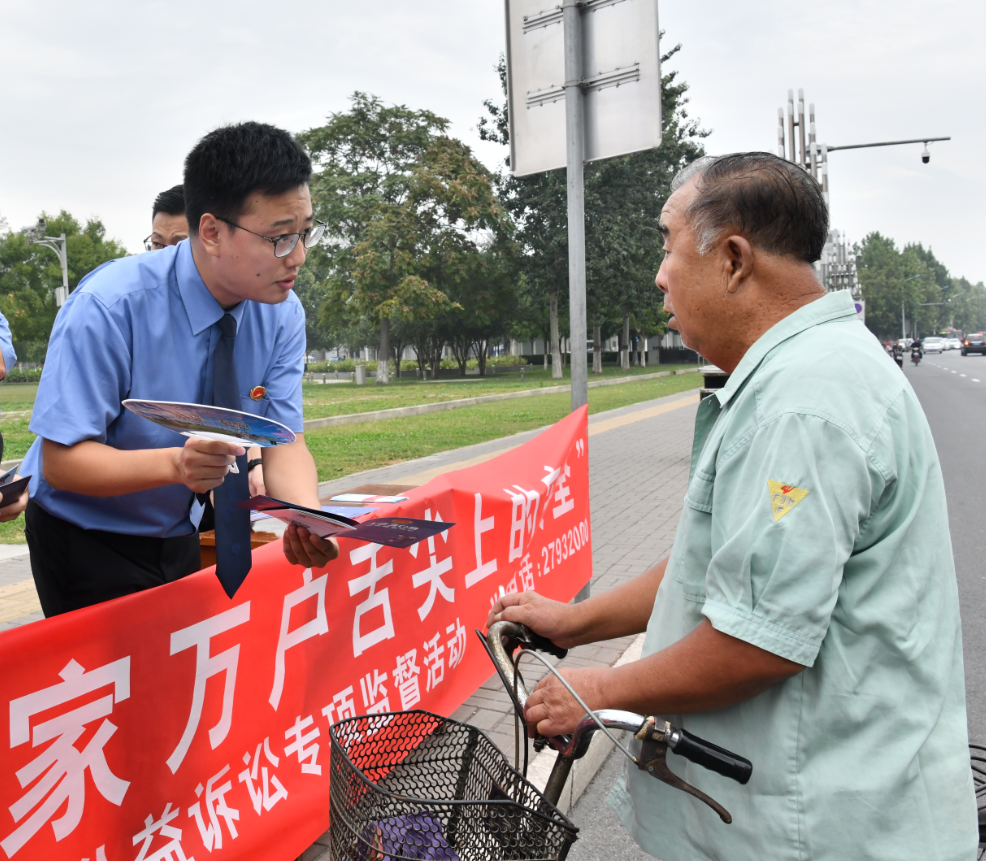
(815, 527)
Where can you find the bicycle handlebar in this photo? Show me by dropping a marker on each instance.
(505, 637)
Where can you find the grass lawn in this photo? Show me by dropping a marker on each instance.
(342, 450)
(346, 449)
(343, 398)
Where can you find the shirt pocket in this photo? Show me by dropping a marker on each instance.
(694, 539)
(256, 408)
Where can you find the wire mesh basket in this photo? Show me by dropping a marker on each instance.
(414, 785)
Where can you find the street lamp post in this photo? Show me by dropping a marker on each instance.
(36, 236)
(903, 324)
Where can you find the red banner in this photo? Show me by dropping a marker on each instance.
(176, 724)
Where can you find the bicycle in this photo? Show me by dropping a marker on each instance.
(977, 755)
(414, 785)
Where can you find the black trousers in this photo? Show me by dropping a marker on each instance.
(75, 567)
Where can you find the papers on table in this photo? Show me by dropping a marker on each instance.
(345, 510)
(392, 531)
(367, 497)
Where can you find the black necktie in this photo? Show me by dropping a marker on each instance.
(233, 557)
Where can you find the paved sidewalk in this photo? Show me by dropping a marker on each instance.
(638, 470)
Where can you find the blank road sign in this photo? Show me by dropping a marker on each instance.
(621, 79)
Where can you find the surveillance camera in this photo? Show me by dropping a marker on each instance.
(925, 155)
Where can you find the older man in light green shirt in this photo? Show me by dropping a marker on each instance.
(808, 616)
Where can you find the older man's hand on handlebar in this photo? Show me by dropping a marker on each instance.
(554, 620)
(551, 710)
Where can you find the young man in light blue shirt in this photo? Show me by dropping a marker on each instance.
(210, 320)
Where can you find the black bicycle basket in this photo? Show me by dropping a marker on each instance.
(411, 786)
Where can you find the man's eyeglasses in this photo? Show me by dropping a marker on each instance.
(152, 244)
(285, 244)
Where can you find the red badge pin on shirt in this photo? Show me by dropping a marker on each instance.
(258, 392)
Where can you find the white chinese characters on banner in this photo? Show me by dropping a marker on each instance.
(406, 678)
(457, 644)
(481, 526)
(261, 795)
(216, 808)
(313, 628)
(523, 519)
(385, 631)
(206, 666)
(341, 707)
(62, 764)
(434, 658)
(304, 744)
(563, 493)
(374, 689)
(432, 575)
(172, 850)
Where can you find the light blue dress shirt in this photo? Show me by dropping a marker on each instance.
(145, 327)
(7, 345)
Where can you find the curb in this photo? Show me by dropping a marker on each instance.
(586, 768)
(441, 406)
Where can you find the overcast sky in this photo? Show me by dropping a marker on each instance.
(100, 101)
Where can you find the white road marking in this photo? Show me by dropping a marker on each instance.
(961, 375)
(975, 381)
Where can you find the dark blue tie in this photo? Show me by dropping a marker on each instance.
(233, 557)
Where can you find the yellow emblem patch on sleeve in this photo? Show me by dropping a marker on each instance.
(783, 497)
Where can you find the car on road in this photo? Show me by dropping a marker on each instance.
(953, 344)
(974, 343)
(934, 345)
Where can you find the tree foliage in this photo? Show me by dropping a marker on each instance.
(910, 291)
(29, 275)
(412, 217)
(623, 201)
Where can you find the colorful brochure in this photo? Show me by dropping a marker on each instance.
(392, 531)
(198, 420)
(218, 423)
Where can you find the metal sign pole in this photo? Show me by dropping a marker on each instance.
(575, 150)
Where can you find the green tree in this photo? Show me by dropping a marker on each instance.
(407, 208)
(902, 289)
(29, 275)
(623, 201)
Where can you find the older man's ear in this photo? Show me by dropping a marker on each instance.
(738, 254)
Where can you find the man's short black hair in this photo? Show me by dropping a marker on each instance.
(232, 162)
(776, 204)
(170, 202)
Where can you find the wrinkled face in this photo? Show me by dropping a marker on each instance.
(167, 230)
(694, 286)
(246, 267)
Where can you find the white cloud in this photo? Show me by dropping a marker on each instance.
(102, 100)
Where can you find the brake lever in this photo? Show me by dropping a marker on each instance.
(653, 759)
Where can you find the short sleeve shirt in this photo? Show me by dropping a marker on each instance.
(7, 345)
(145, 327)
(815, 527)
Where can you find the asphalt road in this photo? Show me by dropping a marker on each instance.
(952, 390)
